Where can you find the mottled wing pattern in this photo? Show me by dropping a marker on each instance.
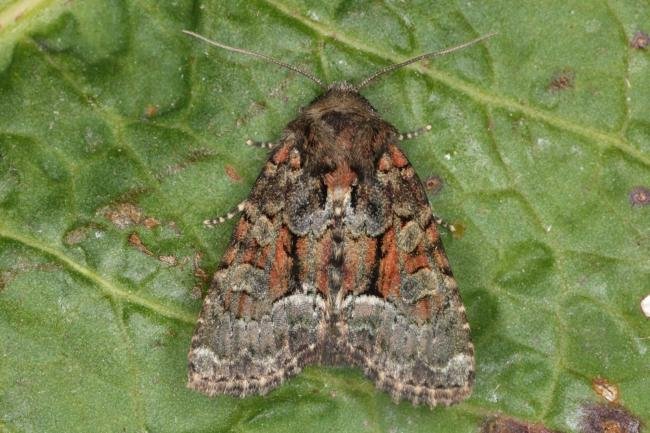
(259, 323)
(405, 324)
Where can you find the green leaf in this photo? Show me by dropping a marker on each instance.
(119, 135)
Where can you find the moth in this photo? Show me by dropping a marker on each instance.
(336, 259)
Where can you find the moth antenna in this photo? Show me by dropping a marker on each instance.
(259, 55)
(391, 68)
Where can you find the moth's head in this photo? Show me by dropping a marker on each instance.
(340, 97)
(342, 87)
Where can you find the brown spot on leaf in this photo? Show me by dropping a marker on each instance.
(75, 236)
(198, 270)
(500, 424)
(201, 277)
(150, 111)
(150, 222)
(169, 260)
(562, 80)
(22, 266)
(433, 184)
(135, 241)
(605, 389)
(608, 418)
(78, 235)
(640, 40)
(123, 215)
(232, 174)
(639, 196)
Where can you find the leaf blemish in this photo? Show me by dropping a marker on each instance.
(126, 214)
(232, 173)
(79, 234)
(562, 80)
(150, 111)
(202, 277)
(501, 424)
(608, 418)
(123, 215)
(640, 40)
(605, 389)
(136, 242)
(639, 196)
(433, 184)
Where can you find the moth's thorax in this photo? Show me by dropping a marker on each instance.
(339, 128)
(340, 98)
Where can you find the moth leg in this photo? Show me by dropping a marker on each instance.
(210, 223)
(413, 134)
(262, 144)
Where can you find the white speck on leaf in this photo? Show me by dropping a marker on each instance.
(645, 306)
